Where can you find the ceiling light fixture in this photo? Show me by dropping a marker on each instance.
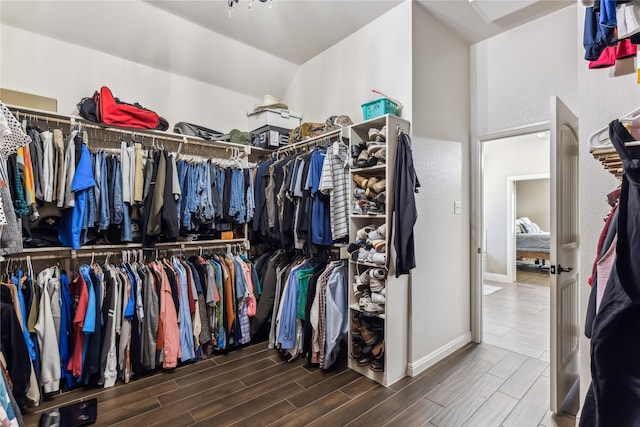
(232, 3)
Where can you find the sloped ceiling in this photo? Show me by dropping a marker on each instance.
(294, 30)
(477, 20)
(252, 52)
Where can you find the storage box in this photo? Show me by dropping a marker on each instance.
(279, 118)
(379, 107)
(226, 235)
(270, 137)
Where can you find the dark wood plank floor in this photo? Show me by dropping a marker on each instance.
(480, 385)
(502, 382)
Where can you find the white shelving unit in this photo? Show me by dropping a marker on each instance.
(396, 315)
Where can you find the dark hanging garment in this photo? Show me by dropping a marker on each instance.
(148, 240)
(170, 227)
(613, 398)
(14, 348)
(405, 210)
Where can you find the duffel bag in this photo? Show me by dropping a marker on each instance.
(191, 129)
(105, 108)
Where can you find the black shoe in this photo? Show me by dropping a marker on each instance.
(377, 365)
(364, 359)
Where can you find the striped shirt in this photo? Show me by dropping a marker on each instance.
(334, 181)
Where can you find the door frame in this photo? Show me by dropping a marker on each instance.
(511, 218)
(477, 217)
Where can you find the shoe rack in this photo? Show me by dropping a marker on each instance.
(383, 334)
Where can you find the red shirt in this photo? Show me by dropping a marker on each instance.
(75, 362)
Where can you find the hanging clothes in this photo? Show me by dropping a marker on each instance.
(613, 397)
(405, 186)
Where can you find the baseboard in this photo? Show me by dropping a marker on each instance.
(503, 278)
(420, 365)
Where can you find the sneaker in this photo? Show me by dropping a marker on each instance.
(377, 298)
(379, 233)
(379, 258)
(362, 280)
(376, 285)
(364, 255)
(373, 309)
(365, 298)
(363, 233)
(374, 134)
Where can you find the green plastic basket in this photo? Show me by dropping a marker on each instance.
(378, 108)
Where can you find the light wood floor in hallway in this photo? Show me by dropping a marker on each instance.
(482, 385)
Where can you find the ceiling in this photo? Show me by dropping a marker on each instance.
(319, 24)
(295, 30)
(477, 20)
(197, 38)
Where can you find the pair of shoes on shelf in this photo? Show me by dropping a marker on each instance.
(378, 135)
(365, 206)
(370, 255)
(372, 232)
(370, 185)
(365, 159)
(373, 309)
(377, 151)
(373, 279)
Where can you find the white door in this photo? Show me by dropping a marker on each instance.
(564, 252)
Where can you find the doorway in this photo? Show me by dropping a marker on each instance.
(515, 227)
(563, 365)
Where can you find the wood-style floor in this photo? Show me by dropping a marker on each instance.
(482, 385)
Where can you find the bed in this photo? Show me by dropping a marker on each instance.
(531, 242)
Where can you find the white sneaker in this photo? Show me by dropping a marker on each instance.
(377, 298)
(373, 309)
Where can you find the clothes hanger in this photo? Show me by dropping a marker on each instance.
(600, 138)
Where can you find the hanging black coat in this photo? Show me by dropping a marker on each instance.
(405, 210)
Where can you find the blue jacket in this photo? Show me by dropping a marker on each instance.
(71, 223)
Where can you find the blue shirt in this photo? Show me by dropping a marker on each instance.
(184, 316)
(320, 217)
(288, 324)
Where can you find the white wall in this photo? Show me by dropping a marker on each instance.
(44, 66)
(603, 97)
(515, 73)
(503, 158)
(339, 80)
(440, 292)
(139, 32)
(533, 200)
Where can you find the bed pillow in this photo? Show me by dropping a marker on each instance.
(536, 228)
(526, 224)
(519, 227)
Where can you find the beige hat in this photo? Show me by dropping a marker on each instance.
(270, 102)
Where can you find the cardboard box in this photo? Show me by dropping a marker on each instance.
(27, 100)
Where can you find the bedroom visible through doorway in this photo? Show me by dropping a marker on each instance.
(531, 216)
(516, 217)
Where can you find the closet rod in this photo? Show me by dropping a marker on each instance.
(69, 253)
(306, 142)
(162, 136)
(10, 258)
